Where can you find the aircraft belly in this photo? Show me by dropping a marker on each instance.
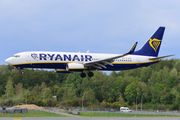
(126, 66)
(116, 66)
(44, 65)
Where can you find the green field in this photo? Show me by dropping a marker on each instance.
(31, 114)
(110, 114)
(82, 114)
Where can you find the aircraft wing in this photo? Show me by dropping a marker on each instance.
(156, 58)
(107, 61)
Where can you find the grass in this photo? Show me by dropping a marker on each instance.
(111, 114)
(31, 113)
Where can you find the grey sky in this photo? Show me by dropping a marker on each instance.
(101, 26)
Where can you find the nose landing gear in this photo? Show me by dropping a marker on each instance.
(22, 71)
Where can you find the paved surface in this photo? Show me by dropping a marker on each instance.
(91, 118)
(61, 113)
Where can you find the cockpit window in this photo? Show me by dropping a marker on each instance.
(16, 55)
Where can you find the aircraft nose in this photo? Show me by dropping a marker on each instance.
(8, 60)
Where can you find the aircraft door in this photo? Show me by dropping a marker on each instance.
(28, 57)
(137, 61)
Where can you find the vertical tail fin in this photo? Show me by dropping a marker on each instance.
(152, 46)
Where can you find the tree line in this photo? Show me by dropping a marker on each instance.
(158, 84)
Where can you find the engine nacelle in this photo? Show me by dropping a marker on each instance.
(61, 71)
(75, 67)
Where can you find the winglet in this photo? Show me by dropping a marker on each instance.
(132, 49)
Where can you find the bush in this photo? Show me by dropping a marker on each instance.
(30, 101)
(9, 102)
(68, 103)
(105, 104)
(149, 106)
(17, 100)
(154, 107)
(75, 102)
(62, 103)
(175, 106)
(134, 106)
(45, 103)
(161, 107)
(38, 102)
(53, 105)
(49, 103)
(93, 106)
(84, 102)
(115, 105)
(2, 102)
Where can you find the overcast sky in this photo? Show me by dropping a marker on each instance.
(101, 26)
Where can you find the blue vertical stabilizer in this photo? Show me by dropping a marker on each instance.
(152, 46)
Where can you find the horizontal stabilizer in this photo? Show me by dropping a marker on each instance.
(156, 58)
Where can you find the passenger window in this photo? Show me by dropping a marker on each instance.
(16, 55)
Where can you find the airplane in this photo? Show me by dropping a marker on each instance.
(66, 62)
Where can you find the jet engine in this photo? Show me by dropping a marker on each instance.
(61, 71)
(75, 67)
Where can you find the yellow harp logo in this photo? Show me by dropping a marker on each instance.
(154, 43)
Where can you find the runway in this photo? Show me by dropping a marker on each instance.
(94, 118)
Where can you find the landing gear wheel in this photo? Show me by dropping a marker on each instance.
(83, 75)
(22, 71)
(90, 74)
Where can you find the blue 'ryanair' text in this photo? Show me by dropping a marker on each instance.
(65, 57)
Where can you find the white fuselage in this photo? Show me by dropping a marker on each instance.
(59, 60)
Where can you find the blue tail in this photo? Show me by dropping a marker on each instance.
(152, 46)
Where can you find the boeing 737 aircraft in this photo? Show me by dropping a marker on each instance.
(66, 62)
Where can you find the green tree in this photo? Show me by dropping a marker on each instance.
(46, 92)
(112, 95)
(43, 86)
(173, 72)
(145, 74)
(152, 80)
(3, 69)
(69, 92)
(9, 88)
(165, 75)
(89, 96)
(35, 91)
(130, 93)
(141, 89)
(19, 89)
(177, 64)
(97, 82)
(171, 81)
(175, 91)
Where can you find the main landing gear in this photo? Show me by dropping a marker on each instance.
(90, 74)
